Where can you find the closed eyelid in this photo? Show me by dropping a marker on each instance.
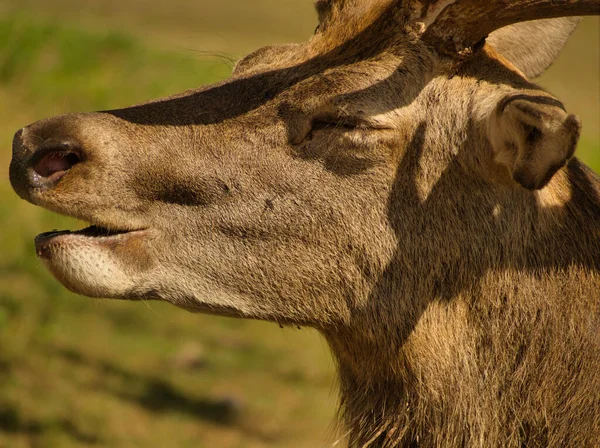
(325, 121)
(330, 120)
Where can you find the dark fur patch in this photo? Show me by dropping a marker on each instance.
(537, 99)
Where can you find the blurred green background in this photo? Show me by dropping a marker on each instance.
(81, 372)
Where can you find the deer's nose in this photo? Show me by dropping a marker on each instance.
(40, 160)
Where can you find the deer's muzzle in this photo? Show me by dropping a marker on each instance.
(39, 163)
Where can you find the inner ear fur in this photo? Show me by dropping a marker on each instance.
(533, 137)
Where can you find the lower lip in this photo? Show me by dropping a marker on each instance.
(45, 243)
(47, 236)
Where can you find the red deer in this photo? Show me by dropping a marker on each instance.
(397, 183)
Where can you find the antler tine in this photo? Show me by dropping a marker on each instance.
(455, 27)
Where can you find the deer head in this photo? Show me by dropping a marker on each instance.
(342, 184)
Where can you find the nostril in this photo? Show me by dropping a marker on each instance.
(53, 159)
(56, 162)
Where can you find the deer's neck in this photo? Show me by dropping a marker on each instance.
(483, 332)
(493, 366)
(394, 379)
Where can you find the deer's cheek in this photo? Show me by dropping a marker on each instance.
(347, 153)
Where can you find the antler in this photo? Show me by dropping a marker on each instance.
(456, 27)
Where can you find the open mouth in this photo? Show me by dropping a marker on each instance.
(92, 234)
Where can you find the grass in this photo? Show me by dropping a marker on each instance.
(227, 26)
(77, 372)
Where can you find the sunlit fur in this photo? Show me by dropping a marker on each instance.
(417, 211)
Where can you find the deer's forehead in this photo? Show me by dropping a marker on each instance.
(304, 72)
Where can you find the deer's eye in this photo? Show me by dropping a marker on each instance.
(338, 123)
(334, 124)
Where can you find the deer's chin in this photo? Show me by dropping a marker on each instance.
(91, 261)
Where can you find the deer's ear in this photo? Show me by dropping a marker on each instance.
(533, 46)
(325, 12)
(323, 8)
(533, 137)
(338, 12)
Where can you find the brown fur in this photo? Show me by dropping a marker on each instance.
(367, 187)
